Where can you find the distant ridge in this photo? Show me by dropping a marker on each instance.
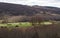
(21, 10)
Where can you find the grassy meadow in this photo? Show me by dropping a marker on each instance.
(22, 24)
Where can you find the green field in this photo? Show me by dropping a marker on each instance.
(21, 24)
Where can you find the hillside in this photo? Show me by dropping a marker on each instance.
(18, 10)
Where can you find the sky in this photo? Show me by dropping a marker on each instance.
(54, 3)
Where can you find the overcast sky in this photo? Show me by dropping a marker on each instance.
(54, 3)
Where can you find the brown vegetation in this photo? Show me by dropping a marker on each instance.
(50, 31)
